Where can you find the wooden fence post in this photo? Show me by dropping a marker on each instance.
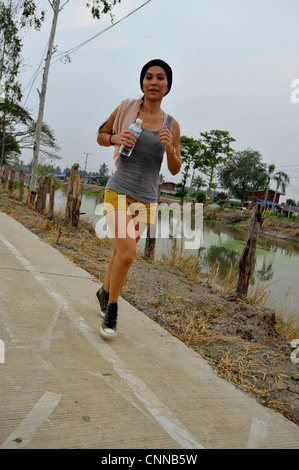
(51, 200)
(73, 203)
(76, 201)
(38, 195)
(248, 257)
(11, 180)
(43, 194)
(31, 196)
(21, 185)
(4, 177)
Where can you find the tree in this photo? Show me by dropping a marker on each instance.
(242, 174)
(10, 49)
(104, 170)
(216, 144)
(98, 8)
(201, 197)
(282, 179)
(198, 182)
(20, 130)
(14, 15)
(104, 174)
(190, 153)
(291, 202)
(267, 174)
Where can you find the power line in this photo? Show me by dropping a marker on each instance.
(35, 75)
(284, 166)
(75, 48)
(272, 138)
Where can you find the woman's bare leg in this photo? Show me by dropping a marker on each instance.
(126, 235)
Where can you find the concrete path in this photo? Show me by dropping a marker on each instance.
(62, 386)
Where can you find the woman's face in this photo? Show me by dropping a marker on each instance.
(155, 83)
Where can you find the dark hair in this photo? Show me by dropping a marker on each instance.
(159, 63)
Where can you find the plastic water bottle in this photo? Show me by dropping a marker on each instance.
(137, 129)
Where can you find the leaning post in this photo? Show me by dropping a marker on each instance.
(247, 261)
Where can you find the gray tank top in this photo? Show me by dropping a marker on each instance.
(137, 176)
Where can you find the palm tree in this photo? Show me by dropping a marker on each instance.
(282, 180)
(268, 176)
(198, 182)
(104, 170)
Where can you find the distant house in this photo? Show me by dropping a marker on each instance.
(290, 210)
(94, 180)
(61, 177)
(168, 188)
(260, 197)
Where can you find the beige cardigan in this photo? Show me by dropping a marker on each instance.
(127, 113)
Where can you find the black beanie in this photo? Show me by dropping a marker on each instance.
(159, 63)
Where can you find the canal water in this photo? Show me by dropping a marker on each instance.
(277, 261)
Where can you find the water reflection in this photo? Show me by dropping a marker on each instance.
(266, 272)
(277, 261)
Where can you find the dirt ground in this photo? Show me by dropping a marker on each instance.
(242, 341)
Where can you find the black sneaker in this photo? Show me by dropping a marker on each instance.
(108, 327)
(103, 298)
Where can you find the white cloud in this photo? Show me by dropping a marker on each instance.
(118, 43)
(79, 16)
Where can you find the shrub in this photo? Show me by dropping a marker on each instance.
(201, 196)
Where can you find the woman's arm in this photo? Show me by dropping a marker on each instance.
(171, 142)
(105, 132)
(107, 138)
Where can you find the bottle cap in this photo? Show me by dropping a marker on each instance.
(139, 121)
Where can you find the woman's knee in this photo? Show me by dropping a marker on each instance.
(126, 255)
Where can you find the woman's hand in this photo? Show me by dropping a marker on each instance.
(127, 138)
(166, 139)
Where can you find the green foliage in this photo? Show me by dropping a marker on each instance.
(190, 154)
(31, 16)
(10, 51)
(201, 197)
(243, 174)
(20, 132)
(101, 7)
(216, 150)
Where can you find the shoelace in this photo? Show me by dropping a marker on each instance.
(105, 301)
(103, 297)
(110, 319)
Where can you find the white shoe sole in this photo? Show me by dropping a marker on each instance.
(107, 334)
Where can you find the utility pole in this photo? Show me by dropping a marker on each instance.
(86, 157)
(42, 96)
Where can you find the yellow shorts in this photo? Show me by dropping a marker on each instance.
(141, 211)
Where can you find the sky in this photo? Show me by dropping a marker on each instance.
(235, 67)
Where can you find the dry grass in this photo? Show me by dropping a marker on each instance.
(243, 363)
(188, 264)
(258, 294)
